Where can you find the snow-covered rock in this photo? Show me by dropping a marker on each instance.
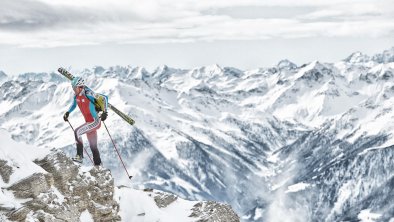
(58, 191)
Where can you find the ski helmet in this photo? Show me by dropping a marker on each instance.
(77, 81)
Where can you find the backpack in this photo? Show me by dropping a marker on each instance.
(99, 100)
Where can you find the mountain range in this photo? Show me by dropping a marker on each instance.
(310, 142)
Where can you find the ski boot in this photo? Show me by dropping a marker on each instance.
(77, 159)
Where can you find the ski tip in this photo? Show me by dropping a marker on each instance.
(130, 177)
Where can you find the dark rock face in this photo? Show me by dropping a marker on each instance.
(5, 171)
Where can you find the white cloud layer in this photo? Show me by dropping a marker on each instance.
(48, 23)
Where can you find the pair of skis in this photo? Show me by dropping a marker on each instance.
(128, 119)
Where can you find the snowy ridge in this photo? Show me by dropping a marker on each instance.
(240, 137)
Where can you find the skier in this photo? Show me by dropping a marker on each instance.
(86, 100)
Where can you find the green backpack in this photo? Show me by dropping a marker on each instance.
(99, 102)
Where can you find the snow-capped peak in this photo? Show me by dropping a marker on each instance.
(312, 71)
(357, 57)
(214, 68)
(163, 72)
(98, 70)
(386, 56)
(286, 64)
(3, 77)
(207, 71)
(137, 73)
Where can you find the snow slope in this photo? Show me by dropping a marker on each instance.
(20, 157)
(139, 207)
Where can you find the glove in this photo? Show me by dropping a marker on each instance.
(104, 116)
(65, 117)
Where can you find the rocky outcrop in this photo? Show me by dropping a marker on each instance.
(5, 171)
(162, 200)
(210, 211)
(61, 167)
(65, 192)
(205, 211)
(32, 186)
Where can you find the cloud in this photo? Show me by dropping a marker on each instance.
(44, 23)
(25, 15)
(346, 11)
(28, 15)
(256, 12)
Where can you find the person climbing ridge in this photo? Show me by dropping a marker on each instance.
(90, 104)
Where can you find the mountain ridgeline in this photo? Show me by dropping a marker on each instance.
(312, 142)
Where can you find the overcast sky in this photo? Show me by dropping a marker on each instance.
(41, 35)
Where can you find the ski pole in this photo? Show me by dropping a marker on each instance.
(84, 147)
(117, 151)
